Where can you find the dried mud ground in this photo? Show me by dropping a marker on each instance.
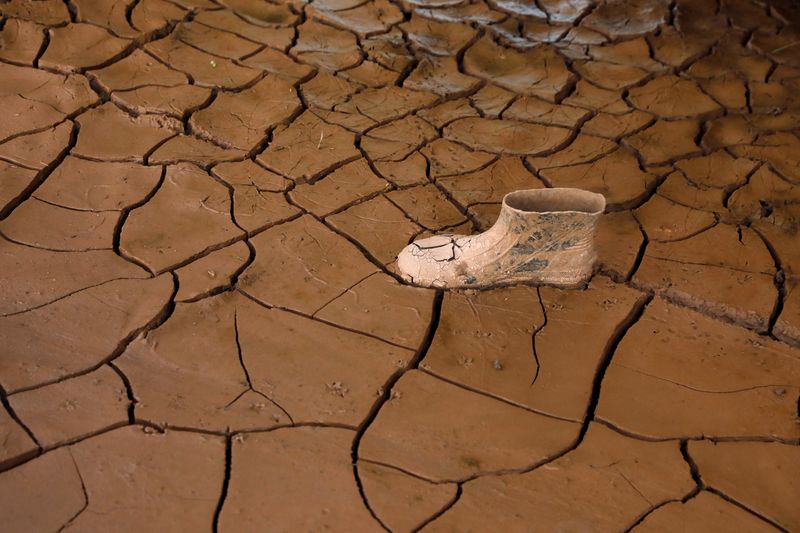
(201, 326)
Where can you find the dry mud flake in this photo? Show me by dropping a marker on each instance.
(716, 271)
(34, 277)
(188, 215)
(74, 408)
(762, 476)
(106, 13)
(440, 431)
(395, 141)
(343, 186)
(386, 103)
(108, 133)
(439, 38)
(214, 41)
(618, 240)
(627, 18)
(605, 485)
(680, 374)
(763, 191)
(47, 12)
(278, 37)
(20, 41)
(17, 444)
(617, 176)
(212, 272)
(79, 46)
(409, 171)
(49, 343)
(781, 150)
(97, 186)
(67, 230)
(241, 120)
(263, 15)
(128, 476)
(36, 99)
(382, 307)
(704, 512)
(303, 265)
(440, 75)
(308, 148)
(492, 100)
(236, 373)
(326, 47)
(375, 16)
(448, 158)
(530, 109)
(279, 64)
(506, 136)
(666, 141)
(308, 464)
(139, 69)
(665, 220)
(186, 148)
(609, 75)
(538, 71)
(427, 206)
(207, 70)
(583, 149)
(402, 502)
(491, 184)
(38, 150)
(377, 225)
(172, 101)
(673, 97)
(498, 342)
(616, 126)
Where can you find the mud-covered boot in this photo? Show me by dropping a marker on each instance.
(542, 236)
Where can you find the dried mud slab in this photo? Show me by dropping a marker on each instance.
(382, 307)
(132, 138)
(17, 444)
(188, 149)
(427, 206)
(679, 374)
(664, 220)
(438, 38)
(312, 464)
(48, 12)
(626, 18)
(81, 46)
(704, 512)
(402, 502)
(539, 71)
(375, 16)
(325, 47)
(38, 150)
(278, 64)
(98, 186)
(205, 69)
(490, 184)
(49, 343)
(672, 97)
(189, 215)
(762, 476)
(34, 277)
(718, 271)
(241, 120)
(377, 225)
(212, 273)
(309, 148)
(20, 41)
(15, 184)
(228, 21)
(440, 431)
(396, 140)
(169, 481)
(447, 158)
(37, 99)
(302, 265)
(137, 70)
(338, 189)
(71, 231)
(506, 136)
(617, 176)
(74, 408)
(409, 171)
(440, 75)
(606, 484)
(666, 141)
(542, 355)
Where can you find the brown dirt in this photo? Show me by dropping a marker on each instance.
(201, 204)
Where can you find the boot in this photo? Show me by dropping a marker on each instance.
(542, 236)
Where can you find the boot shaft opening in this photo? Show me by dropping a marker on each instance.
(555, 201)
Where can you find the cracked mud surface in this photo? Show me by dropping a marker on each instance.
(202, 326)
